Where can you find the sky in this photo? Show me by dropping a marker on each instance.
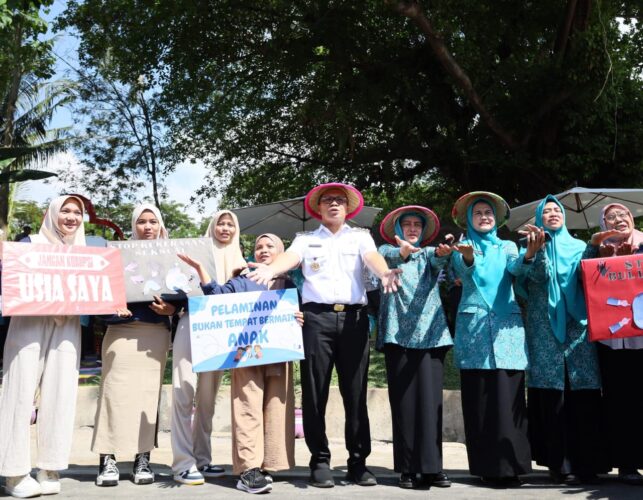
(182, 183)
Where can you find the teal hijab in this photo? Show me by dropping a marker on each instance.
(564, 253)
(490, 271)
(398, 226)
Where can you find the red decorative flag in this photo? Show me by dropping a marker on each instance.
(60, 280)
(614, 296)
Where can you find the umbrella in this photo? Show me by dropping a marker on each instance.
(287, 217)
(582, 206)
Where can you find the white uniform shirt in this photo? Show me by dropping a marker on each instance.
(332, 264)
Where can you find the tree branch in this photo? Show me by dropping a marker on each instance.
(413, 11)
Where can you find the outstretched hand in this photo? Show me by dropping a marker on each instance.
(204, 276)
(466, 251)
(442, 250)
(535, 239)
(390, 280)
(260, 274)
(601, 236)
(406, 248)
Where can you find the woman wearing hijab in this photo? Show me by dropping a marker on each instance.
(414, 337)
(263, 417)
(191, 448)
(564, 384)
(621, 360)
(41, 355)
(134, 353)
(490, 347)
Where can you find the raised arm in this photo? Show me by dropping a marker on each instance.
(264, 274)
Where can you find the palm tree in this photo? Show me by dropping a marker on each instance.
(26, 140)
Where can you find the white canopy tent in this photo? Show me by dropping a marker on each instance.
(287, 217)
(582, 206)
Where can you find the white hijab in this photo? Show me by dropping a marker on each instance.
(227, 256)
(138, 210)
(50, 232)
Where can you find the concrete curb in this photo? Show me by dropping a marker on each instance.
(379, 412)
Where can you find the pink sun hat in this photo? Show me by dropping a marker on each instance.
(355, 199)
(431, 230)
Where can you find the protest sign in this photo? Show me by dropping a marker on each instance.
(60, 280)
(151, 267)
(235, 330)
(614, 296)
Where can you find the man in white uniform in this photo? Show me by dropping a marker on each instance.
(335, 328)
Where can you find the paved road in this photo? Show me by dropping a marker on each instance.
(78, 481)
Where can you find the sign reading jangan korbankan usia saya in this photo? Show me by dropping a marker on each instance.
(41, 280)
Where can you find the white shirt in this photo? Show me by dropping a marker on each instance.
(332, 264)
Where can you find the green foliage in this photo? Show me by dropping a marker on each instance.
(26, 213)
(276, 96)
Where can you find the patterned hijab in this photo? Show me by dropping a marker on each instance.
(227, 256)
(49, 230)
(566, 298)
(490, 270)
(163, 234)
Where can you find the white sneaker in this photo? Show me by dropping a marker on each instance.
(191, 476)
(22, 486)
(49, 481)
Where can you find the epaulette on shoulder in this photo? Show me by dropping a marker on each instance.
(304, 233)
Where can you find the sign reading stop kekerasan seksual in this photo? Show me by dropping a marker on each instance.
(235, 330)
(60, 280)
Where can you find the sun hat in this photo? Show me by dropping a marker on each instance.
(355, 199)
(500, 206)
(387, 227)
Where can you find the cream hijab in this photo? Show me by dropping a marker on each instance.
(49, 230)
(227, 256)
(138, 210)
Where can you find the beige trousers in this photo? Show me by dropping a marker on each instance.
(134, 356)
(263, 418)
(40, 354)
(191, 440)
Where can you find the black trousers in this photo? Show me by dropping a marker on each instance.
(415, 379)
(565, 430)
(622, 375)
(495, 422)
(337, 339)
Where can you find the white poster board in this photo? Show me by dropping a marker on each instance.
(235, 330)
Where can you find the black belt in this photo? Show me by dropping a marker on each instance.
(317, 307)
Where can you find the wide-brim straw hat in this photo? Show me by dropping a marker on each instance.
(500, 206)
(387, 227)
(355, 199)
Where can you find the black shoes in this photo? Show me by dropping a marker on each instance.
(439, 480)
(321, 477)
(360, 475)
(408, 481)
(253, 481)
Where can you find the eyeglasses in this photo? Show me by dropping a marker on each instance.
(614, 215)
(340, 200)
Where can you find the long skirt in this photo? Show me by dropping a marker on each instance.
(495, 422)
(263, 417)
(564, 430)
(134, 356)
(415, 380)
(622, 375)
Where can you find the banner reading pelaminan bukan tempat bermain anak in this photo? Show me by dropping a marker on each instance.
(60, 280)
(234, 330)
